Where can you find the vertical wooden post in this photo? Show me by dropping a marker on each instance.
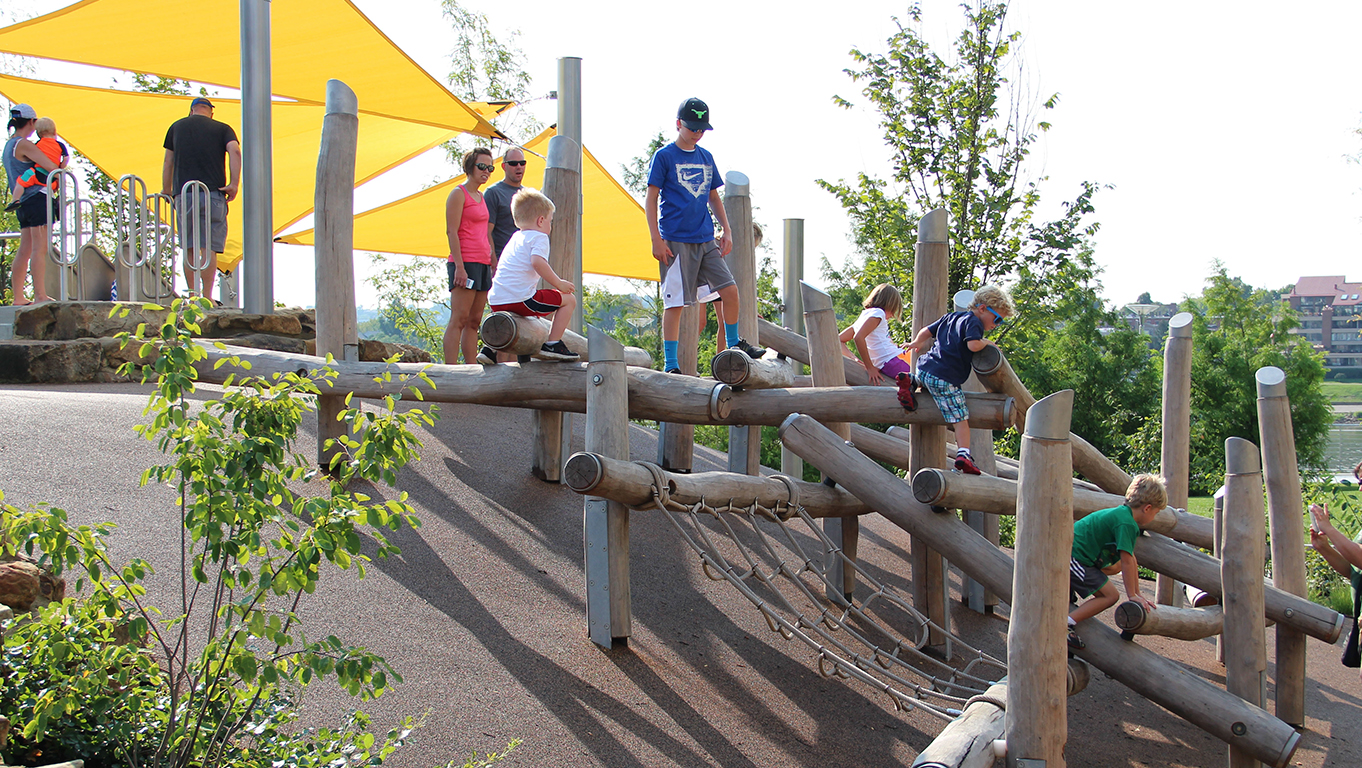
(1177, 430)
(825, 363)
(1288, 539)
(976, 596)
(1241, 577)
(676, 442)
(337, 327)
(1037, 664)
(562, 185)
(744, 443)
(927, 443)
(792, 275)
(606, 523)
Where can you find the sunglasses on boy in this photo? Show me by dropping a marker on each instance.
(516, 163)
(484, 167)
(997, 318)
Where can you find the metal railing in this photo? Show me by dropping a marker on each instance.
(146, 237)
(192, 213)
(66, 239)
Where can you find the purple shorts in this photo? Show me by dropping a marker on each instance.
(894, 366)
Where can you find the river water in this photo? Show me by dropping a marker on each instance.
(1344, 450)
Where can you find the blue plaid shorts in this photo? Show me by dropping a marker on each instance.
(949, 398)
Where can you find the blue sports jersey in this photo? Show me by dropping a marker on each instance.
(949, 358)
(685, 180)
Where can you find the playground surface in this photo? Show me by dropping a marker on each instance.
(484, 615)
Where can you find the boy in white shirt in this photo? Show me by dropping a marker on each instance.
(526, 259)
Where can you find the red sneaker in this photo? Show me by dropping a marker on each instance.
(966, 464)
(906, 386)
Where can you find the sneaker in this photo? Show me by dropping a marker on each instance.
(756, 353)
(966, 464)
(1076, 642)
(487, 356)
(557, 350)
(676, 371)
(906, 386)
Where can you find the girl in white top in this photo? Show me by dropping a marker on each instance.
(878, 353)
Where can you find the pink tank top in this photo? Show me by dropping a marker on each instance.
(473, 242)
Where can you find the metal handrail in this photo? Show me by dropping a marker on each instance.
(131, 221)
(164, 238)
(194, 202)
(67, 236)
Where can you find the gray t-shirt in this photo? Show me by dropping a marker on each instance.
(498, 199)
(14, 167)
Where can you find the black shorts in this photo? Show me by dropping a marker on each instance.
(32, 213)
(479, 274)
(1084, 580)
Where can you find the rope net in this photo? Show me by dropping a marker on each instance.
(876, 638)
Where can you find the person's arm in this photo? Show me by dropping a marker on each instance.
(491, 242)
(542, 268)
(920, 343)
(661, 251)
(977, 344)
(716, 204)
(27, 150)
(846, 335)
(864, 351)
(1347, 548)
(1130, 574)
(233, 170)
(453, 218)
(1321, 544)
(168, 174)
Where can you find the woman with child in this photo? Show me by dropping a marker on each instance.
(20, 156)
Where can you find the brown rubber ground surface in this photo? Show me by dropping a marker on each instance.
(484, 616)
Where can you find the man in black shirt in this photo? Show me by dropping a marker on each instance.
(498, 197)
(196, 147)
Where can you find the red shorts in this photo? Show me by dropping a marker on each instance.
(543, 303)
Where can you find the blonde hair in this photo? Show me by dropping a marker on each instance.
(46, 127)
(528, 205)
(1147, 489)
(994, 298)
(885, 296)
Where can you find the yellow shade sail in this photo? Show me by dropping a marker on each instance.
(615, 238)
(122, 133)
(311, 41)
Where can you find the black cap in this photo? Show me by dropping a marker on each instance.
(694, 114)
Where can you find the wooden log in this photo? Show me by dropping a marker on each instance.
(998, 496)
(744, 442)
(552, 430)
(740, 371)
(1282, 476)
(634, 357)
(796, 347)
(979, 599)
(519, 335)
(1166, 683)
(337, 326)
(606, 522)
(1242, 575)
(676, 440)
(875, 405)
(1177, 430)
(631, 483)
(826, 364)
(1006, 467)
(1037, 722)
(996, 373)
(1170, 621)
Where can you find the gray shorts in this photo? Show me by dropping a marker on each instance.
(212, 224)
(692, 265)
(1084, 580)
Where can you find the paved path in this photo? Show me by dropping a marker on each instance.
(483, 614)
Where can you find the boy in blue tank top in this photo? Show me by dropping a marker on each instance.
(684, 182)
(950, 343)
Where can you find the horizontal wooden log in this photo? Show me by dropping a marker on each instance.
(1169, 621)
(864, 404)
(736, 369)
(997, 375)
(795, 346)
(1192, 566)
(998, 495)
(1167, 684)
(891, 454)
(631, 484)
(515, 334)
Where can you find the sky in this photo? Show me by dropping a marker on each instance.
(1222, 130)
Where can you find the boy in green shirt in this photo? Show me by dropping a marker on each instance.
(1104, 543)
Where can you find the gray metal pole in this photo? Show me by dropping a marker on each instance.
(257, 184)
(570, 125)
(792, 276)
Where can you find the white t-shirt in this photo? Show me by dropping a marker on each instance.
(516, 279)
(878, 343)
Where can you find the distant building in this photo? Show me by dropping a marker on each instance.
(1330, 310)
(1149, 319)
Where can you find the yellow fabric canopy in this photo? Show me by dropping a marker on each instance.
(124, 133)
(311, 41)
(615, 237)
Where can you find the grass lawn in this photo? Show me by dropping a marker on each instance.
(1204, 505)
(1343, 391)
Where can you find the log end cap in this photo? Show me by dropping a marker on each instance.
(731, 367)
(929, 485)
(1271, 381)
(1180, 325)
(583, 472)
(498, 330)
(987, 360)
(1242, 457)
(1130, 616)
(720, 401)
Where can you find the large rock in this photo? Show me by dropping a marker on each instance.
(47, 362)
(62, 321)
(19, 585)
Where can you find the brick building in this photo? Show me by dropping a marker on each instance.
(1330, 310)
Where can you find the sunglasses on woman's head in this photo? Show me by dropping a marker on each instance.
(484, 167)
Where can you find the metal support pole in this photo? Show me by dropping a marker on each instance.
(257, 158)
(791, 276)
(570, 125)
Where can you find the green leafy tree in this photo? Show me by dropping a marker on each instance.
(486, 66)
(412, 299)
(1236, 330)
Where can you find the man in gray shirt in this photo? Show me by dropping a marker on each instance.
(498, 198)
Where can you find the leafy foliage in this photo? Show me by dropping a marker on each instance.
(411, 296)
(486, 67)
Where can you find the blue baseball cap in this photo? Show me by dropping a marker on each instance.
(201, 102)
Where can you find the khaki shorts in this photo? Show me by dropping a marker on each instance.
(212, 223)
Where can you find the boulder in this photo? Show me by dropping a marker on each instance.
(42, 362)
(20, 585)
(62, 321)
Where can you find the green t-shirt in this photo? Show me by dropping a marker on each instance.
(1100, 537)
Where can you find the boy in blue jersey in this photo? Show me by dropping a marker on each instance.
(953, 339)
(684, 180)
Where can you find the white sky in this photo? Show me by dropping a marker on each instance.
(1224, 127)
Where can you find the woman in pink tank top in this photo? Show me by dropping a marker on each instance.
(471, 261)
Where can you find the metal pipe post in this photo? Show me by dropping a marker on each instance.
(570, 125)
(791, 276)
(257, 158)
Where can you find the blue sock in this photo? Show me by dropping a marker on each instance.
(731, 333)
(669, 355)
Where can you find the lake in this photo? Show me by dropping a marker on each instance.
(1344, 449)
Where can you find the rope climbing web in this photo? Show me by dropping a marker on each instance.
(876, 638)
